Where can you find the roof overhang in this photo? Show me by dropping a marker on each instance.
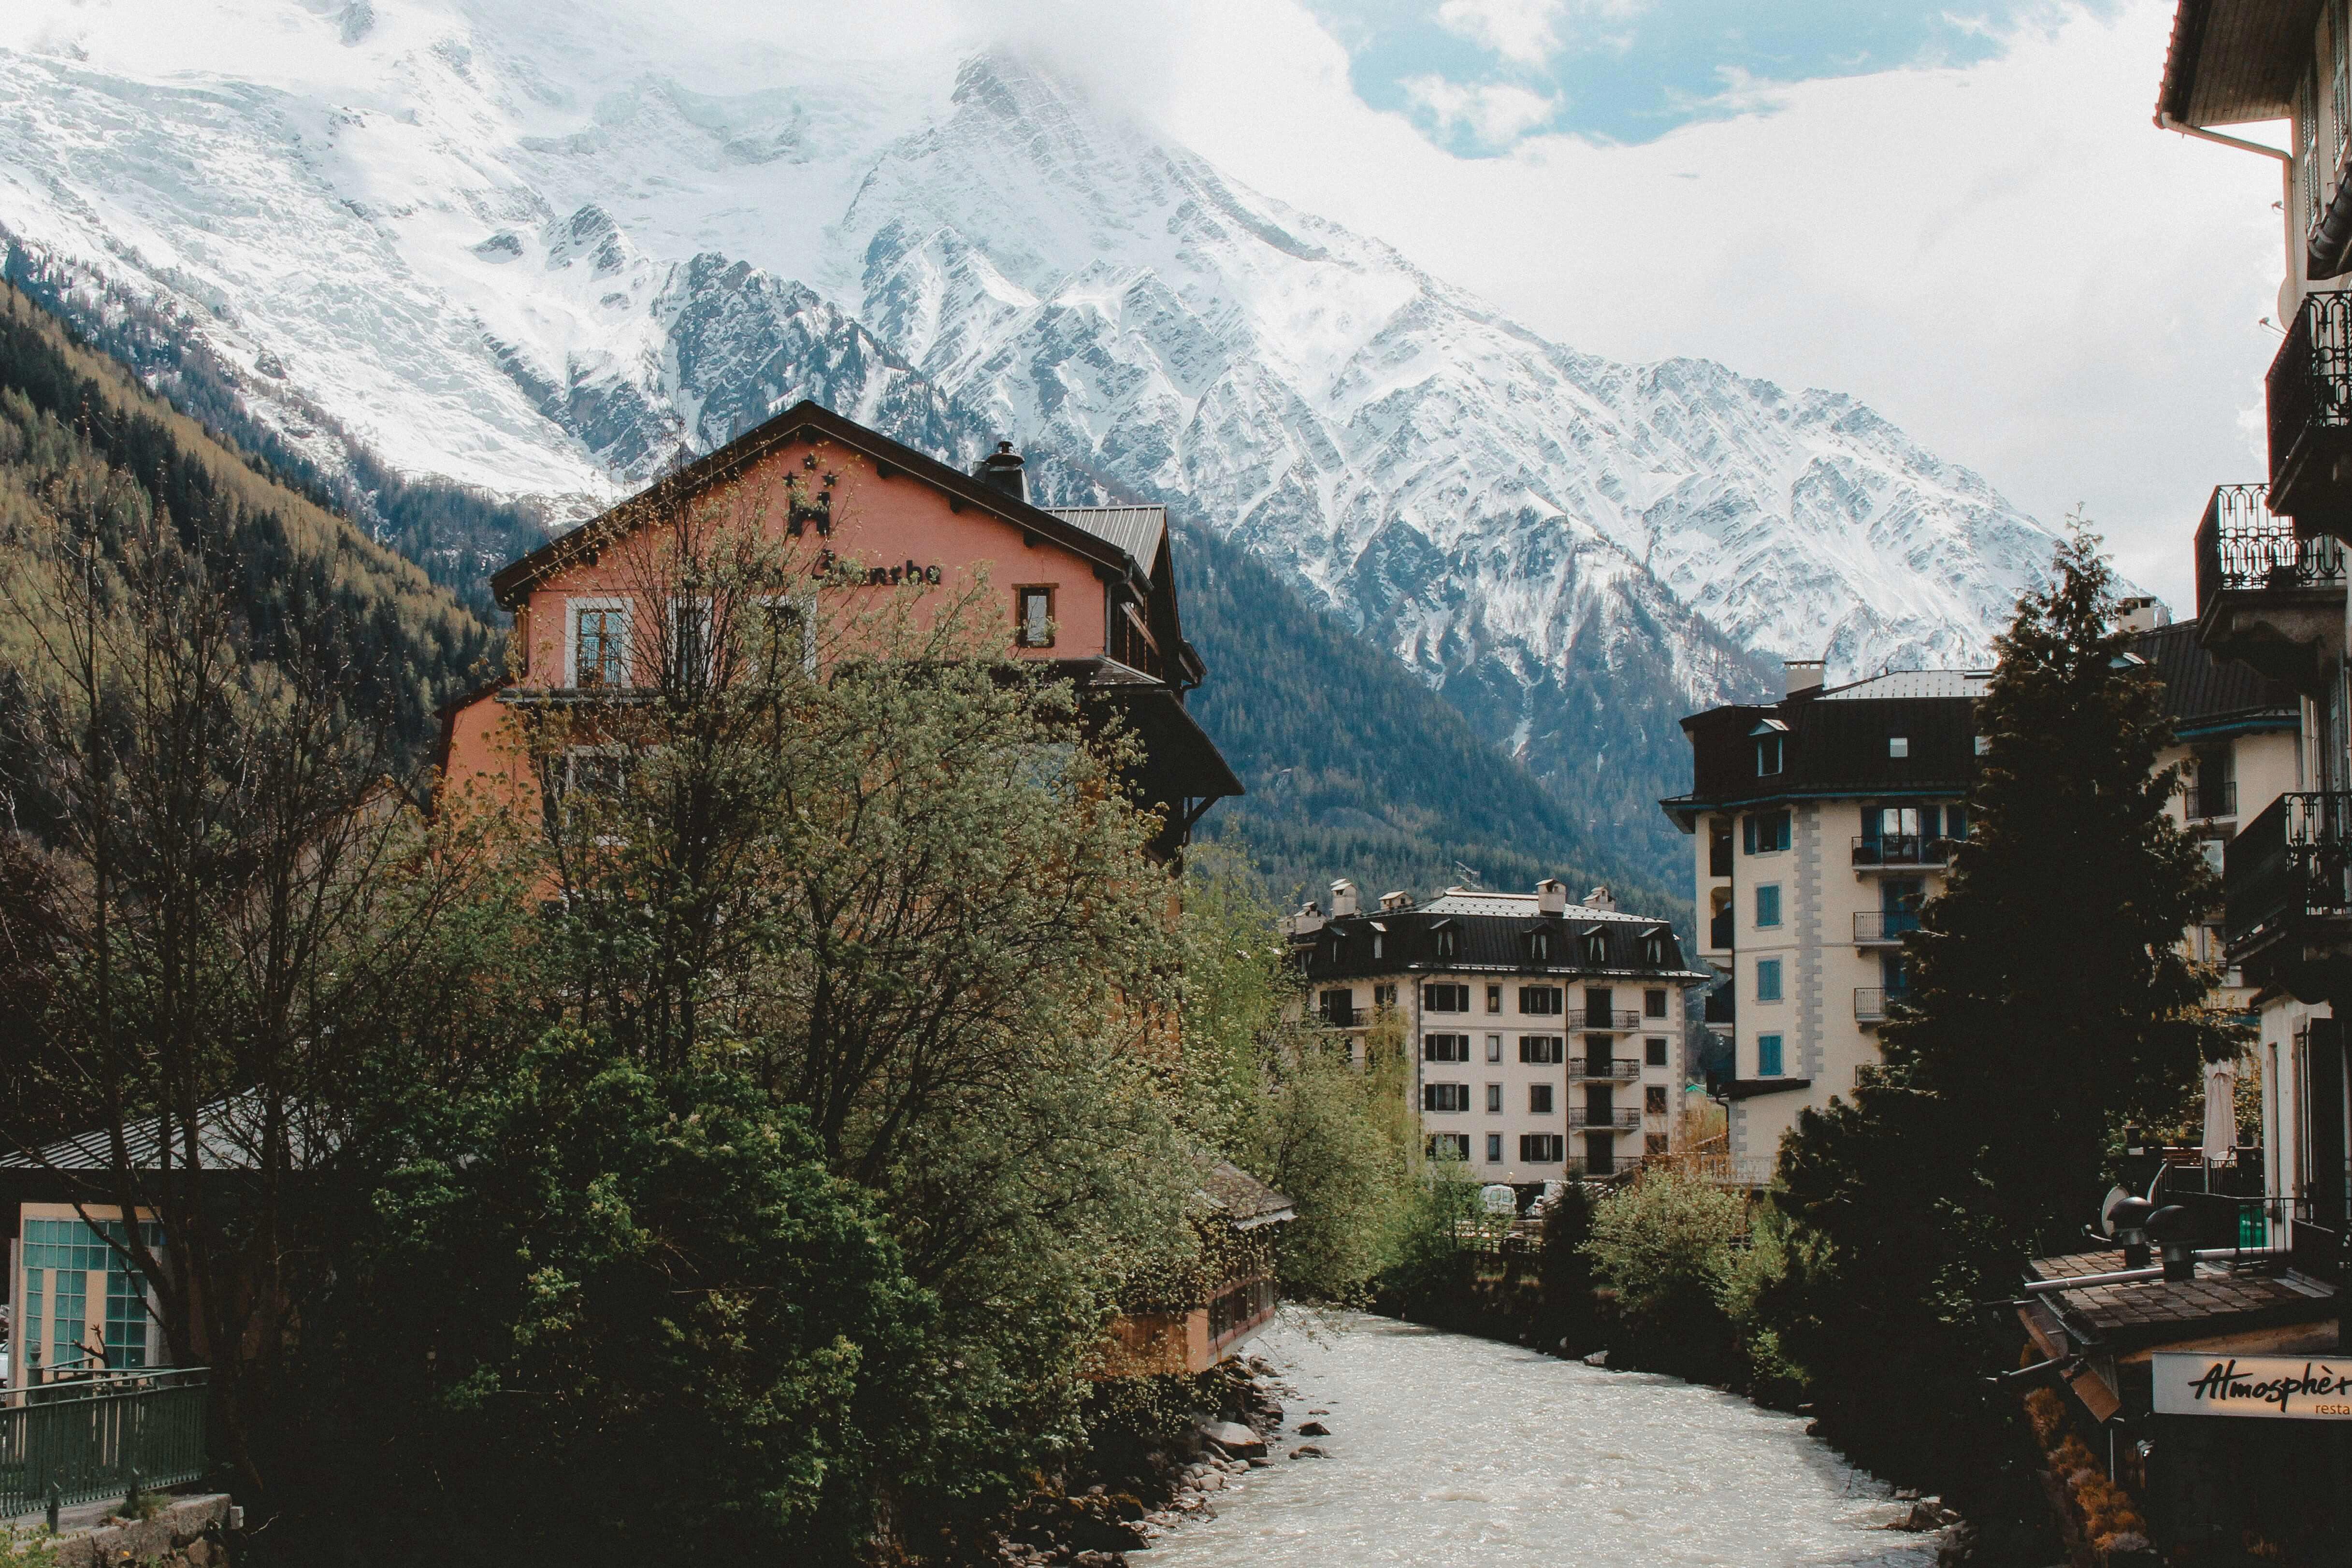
(804, 424)
(2235, 61)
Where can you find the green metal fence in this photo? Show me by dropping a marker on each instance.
(86, 1439)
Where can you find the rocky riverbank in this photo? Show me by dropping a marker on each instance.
(1236, 1430)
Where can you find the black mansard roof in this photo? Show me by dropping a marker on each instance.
(1834, 741)
(1633, 947)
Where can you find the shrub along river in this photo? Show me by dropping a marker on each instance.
(1460, 1451)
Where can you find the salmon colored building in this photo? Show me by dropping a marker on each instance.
(1089, 591)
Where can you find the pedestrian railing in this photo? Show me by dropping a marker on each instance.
(88, 1438)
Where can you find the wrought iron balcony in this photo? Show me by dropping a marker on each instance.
(2309, 393)
(1584, 1119)
(1883, 927)
(1902, 850)
(1593, 1070)
(2286, 871)
(1870, 1002)
(2266, 596)
(2203, 803)
(1595, 1020)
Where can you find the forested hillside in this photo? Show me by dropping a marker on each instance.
(83, 446)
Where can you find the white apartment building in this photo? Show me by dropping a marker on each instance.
(1822, 824)
(1546, 1036)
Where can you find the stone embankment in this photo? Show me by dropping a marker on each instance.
(181, 1532)
(1097, 1527)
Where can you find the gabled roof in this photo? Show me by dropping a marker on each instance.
(1137, 530)
(230, 1136)
(1912, 684)
(2233, 61)
(806, 422)
(1244, 1201)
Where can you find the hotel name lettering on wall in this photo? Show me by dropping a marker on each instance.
(832, 569)
(2273, 1386)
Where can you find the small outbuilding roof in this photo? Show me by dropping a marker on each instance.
(1245, 1201)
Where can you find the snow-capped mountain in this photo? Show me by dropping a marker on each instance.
(510, 245)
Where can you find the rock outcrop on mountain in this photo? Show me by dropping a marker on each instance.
(514, 252)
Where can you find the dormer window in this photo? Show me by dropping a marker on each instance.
(1654, 950)
(1770, 737)
(1596, 950)
(1448, 942)
(1540, 947)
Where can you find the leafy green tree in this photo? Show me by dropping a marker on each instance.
(1272, 1088)
(1659, 1244)
(597, 1313)
(838, 842)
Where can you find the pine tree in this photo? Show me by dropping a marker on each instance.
(2052, 998)
(2052, 992)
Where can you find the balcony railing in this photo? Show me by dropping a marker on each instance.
(2292, 863)
(2204, 802)
(1617, 1069)
(1870, 1002)
(1342, 1015)
(1617, 1121)
(2310, 396)
(2243, 548)
(1594, 1020)
(1718, 933)
(1883, 927)
(92, 1439)
(1902, 850)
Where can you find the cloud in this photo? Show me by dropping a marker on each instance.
(1519, 30)
(2000, 253)
(1496, 113)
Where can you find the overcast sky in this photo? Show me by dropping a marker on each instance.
(1972, 224)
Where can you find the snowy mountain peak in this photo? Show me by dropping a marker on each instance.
(516, 248)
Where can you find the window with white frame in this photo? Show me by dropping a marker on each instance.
(598, 651)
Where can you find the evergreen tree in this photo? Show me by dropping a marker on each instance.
(2052, 998)
(2053, 993)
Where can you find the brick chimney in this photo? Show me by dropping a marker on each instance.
(1343, 898)
(1602, 898)
(1804, 676)
(1551, 897)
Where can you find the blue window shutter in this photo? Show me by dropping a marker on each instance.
(1928, 823)
(1747, 832)
(1872, 827)
(1767, 1056)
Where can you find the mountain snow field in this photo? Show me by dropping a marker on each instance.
(549, 251)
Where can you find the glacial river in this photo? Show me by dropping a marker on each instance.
(1447, 1451)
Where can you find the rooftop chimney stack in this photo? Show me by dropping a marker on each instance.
(1343, 898)
(1601, 898)
(2141, 614)
(1551, 897)
(1804, 676)
(1395, 903)
(1002, 468)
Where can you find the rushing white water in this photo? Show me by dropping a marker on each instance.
(1451, 1450)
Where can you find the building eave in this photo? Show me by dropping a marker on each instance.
(805, 423)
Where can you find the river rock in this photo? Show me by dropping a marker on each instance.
(1314, 1430)
(1232, 1437)
(1309, 1451)
(1598, 1358)
(1259, 1464)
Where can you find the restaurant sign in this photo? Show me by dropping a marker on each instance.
(2276, 1386)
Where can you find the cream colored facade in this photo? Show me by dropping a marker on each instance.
(1572, 1068)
